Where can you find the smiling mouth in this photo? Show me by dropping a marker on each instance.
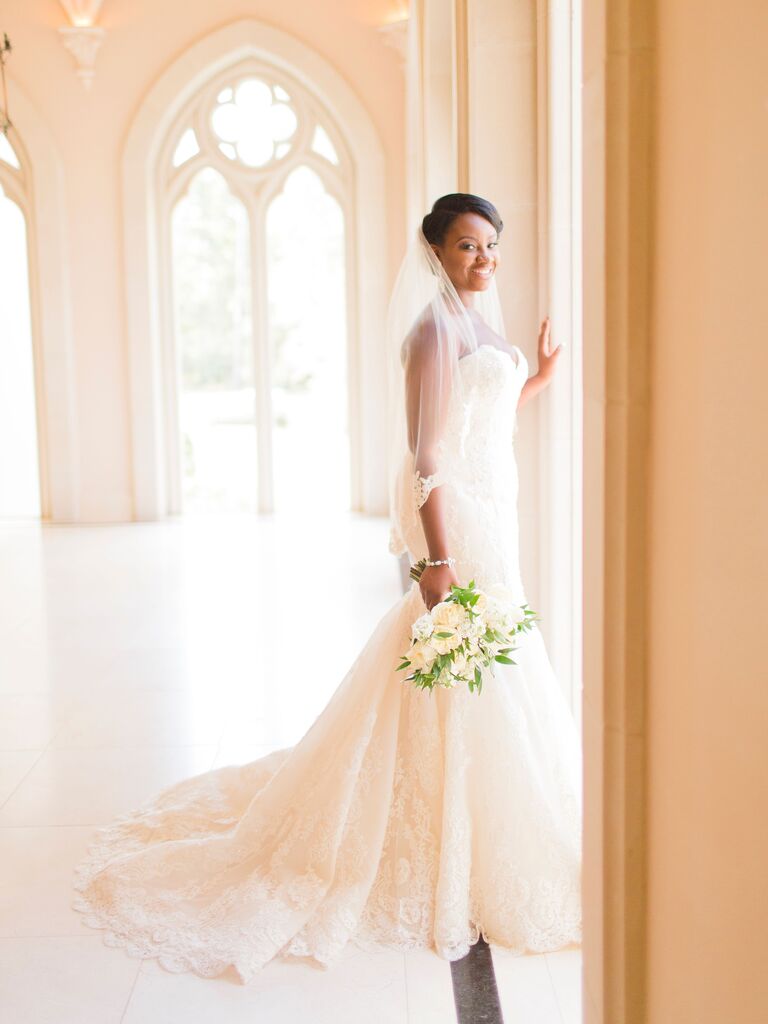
(482, 272)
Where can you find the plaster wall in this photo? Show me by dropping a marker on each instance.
(707, 708)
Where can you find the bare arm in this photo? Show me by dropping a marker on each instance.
(547, 356)
(427, 390)
(432, 514)
(435, 581)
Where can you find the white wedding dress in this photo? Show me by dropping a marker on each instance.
(402, 818)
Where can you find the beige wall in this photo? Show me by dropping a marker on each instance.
(708, 668)
(676, 503)
(89, 130)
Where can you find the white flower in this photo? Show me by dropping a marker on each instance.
(459, 664)
(464, 640)
(421, 656)
(500, 593)
(422, 628)
(446, 679)
(448, 613)
(495, 614)
(517, 614)
(443, 644)
(504, 616)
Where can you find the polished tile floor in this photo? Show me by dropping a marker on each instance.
(133, 656)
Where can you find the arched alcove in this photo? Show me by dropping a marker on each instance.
(38, 189)
(148, 315)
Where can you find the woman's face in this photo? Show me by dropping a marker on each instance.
(469, 253)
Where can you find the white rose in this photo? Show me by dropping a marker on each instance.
(422, 627)
(494, 613)
(448, 613)
(465, 629)
(421, 656)
(443, 644)
(504, 616)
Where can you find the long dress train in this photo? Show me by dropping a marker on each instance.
(402, 818)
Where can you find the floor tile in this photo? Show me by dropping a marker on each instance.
(525, 988)
(361, 987)
(36, 888)
(429, 988)
(565, 972)
(89, 787)
(64, 980)
(14, 765)
(28, 721)
(143, 718)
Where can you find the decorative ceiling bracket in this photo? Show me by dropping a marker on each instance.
(395, 35)
(82, 37)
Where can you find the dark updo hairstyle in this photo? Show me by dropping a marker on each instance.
(446, 209)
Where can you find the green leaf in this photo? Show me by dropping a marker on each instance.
(504, 659)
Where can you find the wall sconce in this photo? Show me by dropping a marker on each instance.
(81, 37)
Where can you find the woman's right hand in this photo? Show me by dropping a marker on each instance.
(435, 584)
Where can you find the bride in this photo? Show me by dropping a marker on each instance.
(403, 818)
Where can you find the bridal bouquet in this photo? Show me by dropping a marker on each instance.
(462, 635)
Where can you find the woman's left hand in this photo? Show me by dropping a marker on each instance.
(547, 353)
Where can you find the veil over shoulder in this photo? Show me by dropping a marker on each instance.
(429, 329)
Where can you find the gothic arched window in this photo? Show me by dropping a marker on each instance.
(256, 211)
(19, 460)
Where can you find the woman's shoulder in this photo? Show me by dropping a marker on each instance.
(421, 341)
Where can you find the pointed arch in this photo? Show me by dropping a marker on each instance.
(41, 180)
(147, 316)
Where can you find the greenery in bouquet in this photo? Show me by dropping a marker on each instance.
(464, 635)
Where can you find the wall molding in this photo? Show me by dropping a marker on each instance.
(618, 124)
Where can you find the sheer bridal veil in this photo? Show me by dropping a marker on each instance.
(429, 329)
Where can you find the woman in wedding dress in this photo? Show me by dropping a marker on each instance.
(403, 818)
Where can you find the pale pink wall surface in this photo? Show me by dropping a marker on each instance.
(708, 680)
(90, 128)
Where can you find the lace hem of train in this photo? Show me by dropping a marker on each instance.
(205, 955)
(421, 897)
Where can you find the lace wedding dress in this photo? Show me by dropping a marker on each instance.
(402, 818)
